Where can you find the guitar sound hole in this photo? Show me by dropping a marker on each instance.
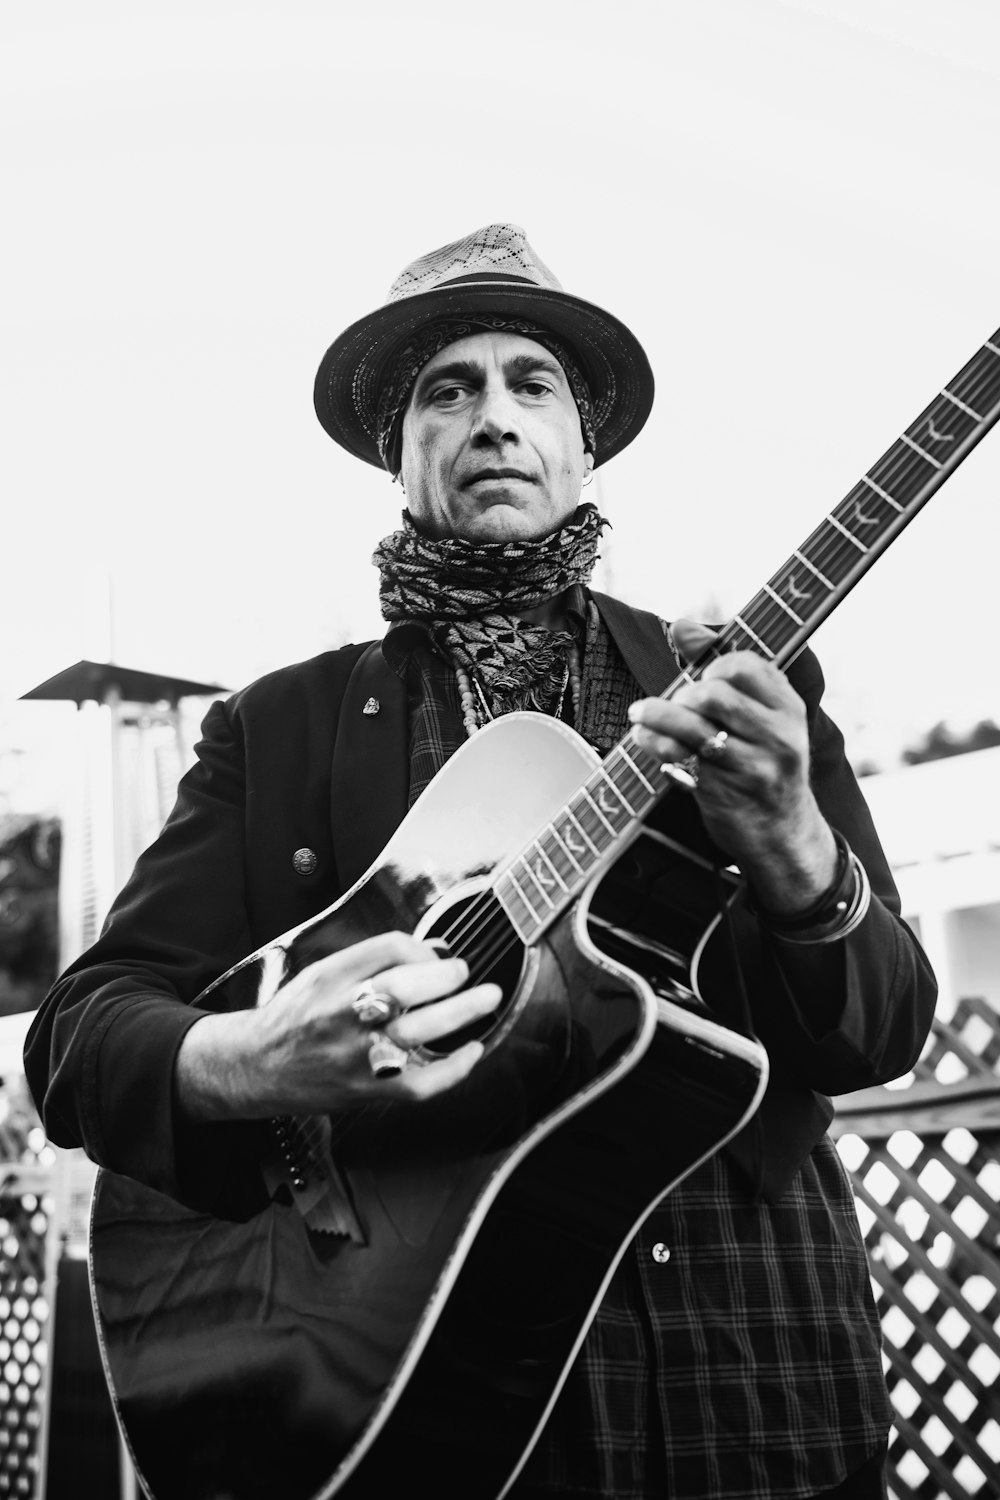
(478, 930)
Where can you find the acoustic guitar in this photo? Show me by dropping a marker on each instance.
(412, 1294)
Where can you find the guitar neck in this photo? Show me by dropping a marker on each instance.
(779, 619)
(598, 822)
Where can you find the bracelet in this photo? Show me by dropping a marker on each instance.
(838, 911)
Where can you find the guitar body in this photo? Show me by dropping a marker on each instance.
(474, 1235)
(409, 1301)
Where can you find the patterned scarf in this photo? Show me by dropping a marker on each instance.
(468, 594)
(430, 339)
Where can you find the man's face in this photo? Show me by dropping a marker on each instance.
(492, 444)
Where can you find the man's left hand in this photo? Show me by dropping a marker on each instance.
(754, 794)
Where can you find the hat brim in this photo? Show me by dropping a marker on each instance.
(351, 373)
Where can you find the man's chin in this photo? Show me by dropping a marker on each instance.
(500, 522)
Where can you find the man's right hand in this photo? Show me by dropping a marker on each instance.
(306, 1052)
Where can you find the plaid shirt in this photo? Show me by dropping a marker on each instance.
(737, 1355)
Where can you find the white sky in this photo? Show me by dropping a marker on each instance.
(792, 202)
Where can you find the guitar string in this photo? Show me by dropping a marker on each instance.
(830, 553)
(464, 928)
(483, 934)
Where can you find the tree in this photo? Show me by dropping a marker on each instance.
(940, 742)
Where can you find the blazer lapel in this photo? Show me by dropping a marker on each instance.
(370, 771)
(640, 639)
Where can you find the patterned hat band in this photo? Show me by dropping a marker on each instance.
(430, 339)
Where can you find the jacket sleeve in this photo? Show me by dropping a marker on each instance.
(843, 1015)
(100, 1054)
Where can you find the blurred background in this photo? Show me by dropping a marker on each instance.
(792, 202)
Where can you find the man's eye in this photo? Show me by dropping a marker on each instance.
(535, 387)
(447, 395)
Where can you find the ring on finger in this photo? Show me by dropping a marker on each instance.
(714, 745)
(373, 1008)
(683, 773)
(385, 1057)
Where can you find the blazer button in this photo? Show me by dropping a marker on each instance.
(305, 861)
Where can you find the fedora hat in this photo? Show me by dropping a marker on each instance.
(494, 271)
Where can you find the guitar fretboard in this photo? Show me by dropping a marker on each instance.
(822, 571)
(608, 810)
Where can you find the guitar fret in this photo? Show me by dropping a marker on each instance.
(950, 396)
(917, 449)
(592, 802)
(544, 855)
(506, 888)
(521, 891)
(580, 829)
(857, 510)
(623, 802)
(764, 647)
(776, 622)
(979, 382)
(623, 777)
(803, 559)
(883, 494)
(567, 850)
(774, 626)
(789, 582)
(849, 535)
(590, 821)
(541, 889)
(786, 607)
(625, 755)
(902, 473)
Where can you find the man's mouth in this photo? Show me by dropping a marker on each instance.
(485, 474)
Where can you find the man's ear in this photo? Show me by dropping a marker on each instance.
(588, 465)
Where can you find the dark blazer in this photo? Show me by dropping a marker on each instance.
(293, 763)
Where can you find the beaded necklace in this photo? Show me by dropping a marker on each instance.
(475, 705)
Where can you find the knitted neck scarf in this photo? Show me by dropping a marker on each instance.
(468, 595)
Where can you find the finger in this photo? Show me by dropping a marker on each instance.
(691, 638)
(371, 956)
(416, 984)
(751, 675)
(671, 729)
(724, 706)
(435, 1077)
(417, 1028)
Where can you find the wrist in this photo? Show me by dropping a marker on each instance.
(213, 1072)
(838, 909)
(794, 873)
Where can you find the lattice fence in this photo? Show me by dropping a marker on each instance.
(925, 1162)
(25, 1216)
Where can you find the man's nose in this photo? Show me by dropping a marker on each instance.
(495, 418)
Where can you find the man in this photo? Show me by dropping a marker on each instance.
(737, 1351)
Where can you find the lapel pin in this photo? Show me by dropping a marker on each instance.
(372, 706)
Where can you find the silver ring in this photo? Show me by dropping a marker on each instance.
(385, 1058)
(712, 747)
(371, 1007)
(682, 773)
